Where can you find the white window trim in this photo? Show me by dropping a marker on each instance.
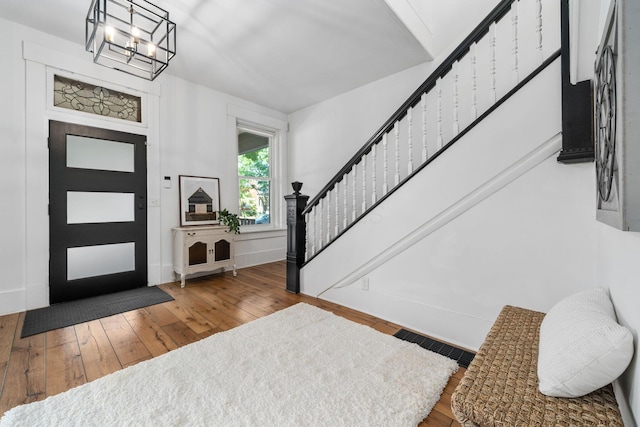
(239, 117)
(243, 126)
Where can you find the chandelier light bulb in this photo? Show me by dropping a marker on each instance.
(135, 32)
(109, 33)
(151, 50)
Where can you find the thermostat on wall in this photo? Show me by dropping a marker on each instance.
(167, 182)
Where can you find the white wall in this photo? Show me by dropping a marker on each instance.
(587, 22)
(524, 245)
(448, 26)
(12, 172)
(618, 269)
(617, 252)
(198, 140)
(187, 128)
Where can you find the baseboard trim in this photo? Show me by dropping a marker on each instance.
(261, 257)
(441, 323)
(13, 301)
(480, 193)
(37, 296)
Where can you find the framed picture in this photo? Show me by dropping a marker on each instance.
(199, 200)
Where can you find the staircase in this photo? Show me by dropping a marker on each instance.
(448, 143)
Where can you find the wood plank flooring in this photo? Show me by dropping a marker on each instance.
(50, 363)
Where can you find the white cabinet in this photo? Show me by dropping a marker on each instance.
(203, 248)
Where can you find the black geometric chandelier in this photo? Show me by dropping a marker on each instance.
(133, 36)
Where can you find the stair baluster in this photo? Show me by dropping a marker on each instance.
(354, 175)
(321, 221)
(385, 185)
(439, 141)
(345, 191)
(307, 237)
(364, 183)
(473, 50)
(425, 152)
(337, 219)
(312, 232)
(493, 95)
(456, 127)
(514, 32)
(539, 30)
(374, 161)
(396, 131)
(410, 140)
(328, 203)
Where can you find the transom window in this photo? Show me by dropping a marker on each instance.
(89, 98)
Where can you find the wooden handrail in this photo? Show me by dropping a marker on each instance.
(463, 48)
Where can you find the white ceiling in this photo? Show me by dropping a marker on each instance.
(282, 54)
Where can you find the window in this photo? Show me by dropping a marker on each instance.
(81, 96)
(258, 148)
(254, 175)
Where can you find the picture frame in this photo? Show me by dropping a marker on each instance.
(199, 200)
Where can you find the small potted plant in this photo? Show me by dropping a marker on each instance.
(231, 220)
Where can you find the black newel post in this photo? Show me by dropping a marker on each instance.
(577, 111)
(296, 239)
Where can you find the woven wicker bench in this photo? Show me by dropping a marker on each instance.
(500, 388)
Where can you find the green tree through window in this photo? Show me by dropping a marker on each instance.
(254, 178)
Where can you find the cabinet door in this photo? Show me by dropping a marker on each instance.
(197, 253)
(222, 250)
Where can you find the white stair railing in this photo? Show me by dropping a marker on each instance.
(473, 80)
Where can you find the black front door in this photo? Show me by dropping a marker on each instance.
(97, 211)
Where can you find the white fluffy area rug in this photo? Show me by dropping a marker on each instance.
(301, 366)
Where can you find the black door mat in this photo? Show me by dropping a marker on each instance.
(71, 313)
(461, 356)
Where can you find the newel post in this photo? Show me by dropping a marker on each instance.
(296, 239)
(577, 103)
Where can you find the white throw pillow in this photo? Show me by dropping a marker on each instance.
(582, 347)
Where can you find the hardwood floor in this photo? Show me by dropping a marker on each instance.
(50, 363)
